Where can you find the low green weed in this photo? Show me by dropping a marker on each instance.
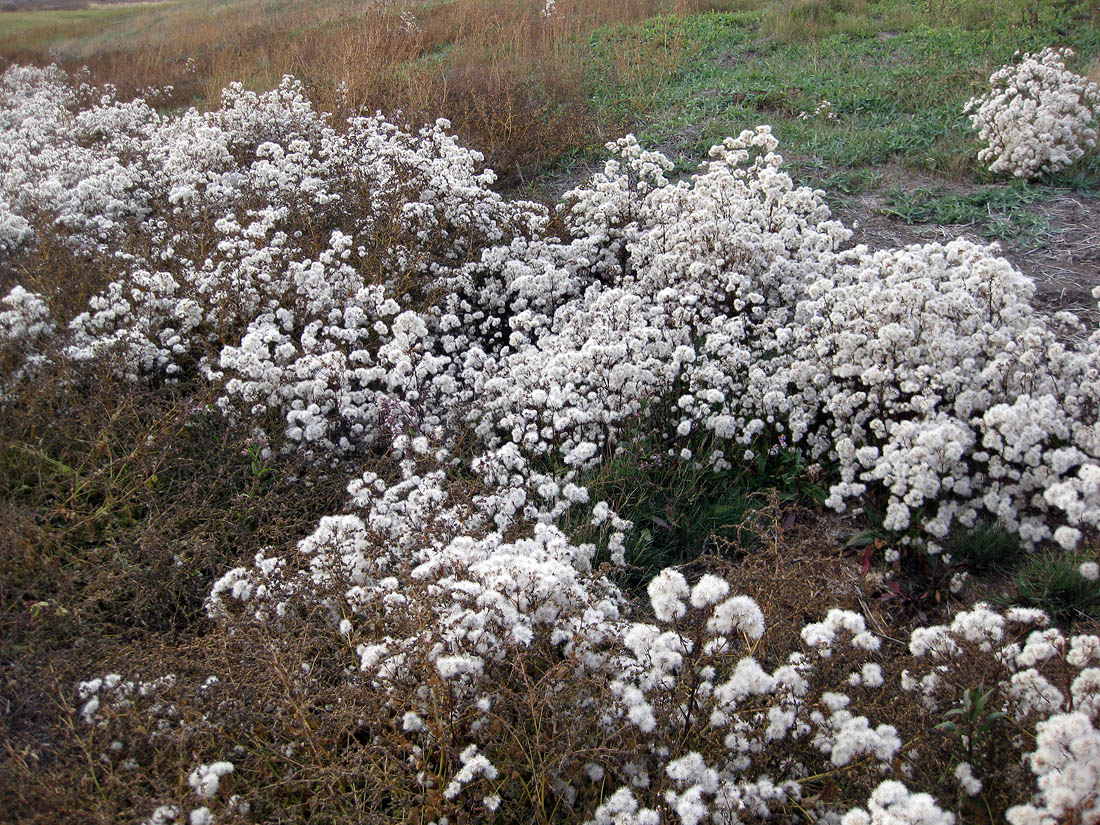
(1031, 231)
(938, 205)
(1084, 176)
(1000, 211)
(850, 181)
(681, 509)
(1054, 584)
(840, 185)
(986, 547)
(970, 721)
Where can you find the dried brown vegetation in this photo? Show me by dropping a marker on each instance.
(120, 504)
(312, 741)
(513, 81)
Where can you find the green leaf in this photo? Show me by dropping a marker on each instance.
(862, 539)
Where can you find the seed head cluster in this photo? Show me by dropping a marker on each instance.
(359, 296)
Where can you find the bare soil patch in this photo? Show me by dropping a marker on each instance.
(1064, 261)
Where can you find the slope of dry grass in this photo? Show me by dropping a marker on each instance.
(513, 82)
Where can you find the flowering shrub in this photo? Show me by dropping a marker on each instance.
(1037, 117)
(1047, 684)
(455, 643)
(26, 327)
(489, 676)
(356, 294)
(366, 287)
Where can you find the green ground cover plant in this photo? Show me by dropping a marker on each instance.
(1055, 585)
(681, 511)
(986, 546)
(1001, 213)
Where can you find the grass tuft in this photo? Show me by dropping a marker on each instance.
(809, 20)
(1054, 584)
(986, 547)
(682, 510)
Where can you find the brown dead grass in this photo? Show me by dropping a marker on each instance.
(513, 82)
(1093, 73)
(118, 507)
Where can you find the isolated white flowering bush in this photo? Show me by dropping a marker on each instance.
(1037, 118)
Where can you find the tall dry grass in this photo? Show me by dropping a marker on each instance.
(514, 82)
(1093, 74)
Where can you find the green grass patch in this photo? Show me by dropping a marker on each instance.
(32, 26)
(1001, 211)
(896, 95)
(986, 547)
(808, 20)
(1054, 584)
(682, 509)
(839, 185)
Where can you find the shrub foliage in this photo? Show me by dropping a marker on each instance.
(357, 298)
(1037, 118)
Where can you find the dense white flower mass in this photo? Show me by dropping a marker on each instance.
(26, 328)
(205, 779)
(1067, 763)
(1038, 117)
(893, 804)
(354, 290)
(365, 286)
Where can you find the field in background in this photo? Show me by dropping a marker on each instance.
(45, 27)
(847, 84)
(513, 82)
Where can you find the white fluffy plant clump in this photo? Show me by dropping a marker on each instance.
(300, 266)
(60, 157)
(461, 632)
(692, 307)
(736, 251)
(730, 308)
(26, 332)
(361, 289)
(673, 719)
(1040, 681)
(1037, 118)
(746, 737)
(948, 390)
